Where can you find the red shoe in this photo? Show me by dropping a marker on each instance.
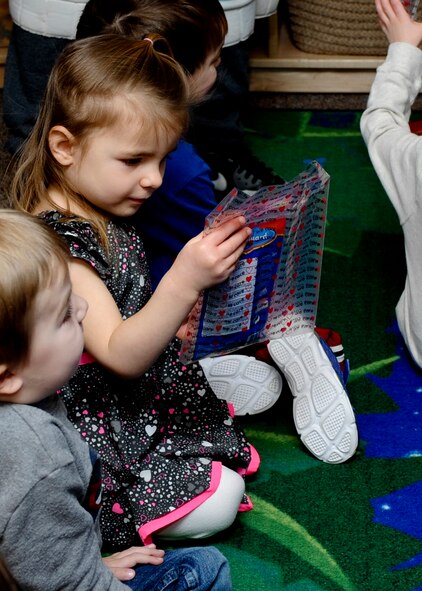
(333, 340)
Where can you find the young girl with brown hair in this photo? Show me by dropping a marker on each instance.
(172, 454)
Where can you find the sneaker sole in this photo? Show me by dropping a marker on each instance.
(322, 412)
(251, 386)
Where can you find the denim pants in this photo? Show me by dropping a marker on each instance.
(196, 569)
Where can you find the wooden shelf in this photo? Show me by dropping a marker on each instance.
(281, 67)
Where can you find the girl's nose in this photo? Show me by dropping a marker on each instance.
(152, 178)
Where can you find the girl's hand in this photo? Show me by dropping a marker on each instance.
(181, 333)
(209, 259)
(396, 23)
(121, 564)
(129, 347)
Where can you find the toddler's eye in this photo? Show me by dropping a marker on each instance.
(68, 314)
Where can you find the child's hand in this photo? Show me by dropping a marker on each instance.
(181, 333)
(209, 259)
(121, 564)
(396, 23)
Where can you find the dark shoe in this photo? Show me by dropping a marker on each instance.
(242, 170)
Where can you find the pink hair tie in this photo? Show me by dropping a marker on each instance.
(148, 39)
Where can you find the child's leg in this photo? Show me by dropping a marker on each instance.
(195, 569)
(215, 514)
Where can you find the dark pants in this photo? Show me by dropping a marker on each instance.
(216, 125)
(29, 61)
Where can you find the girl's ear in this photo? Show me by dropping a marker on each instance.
(10, 382)
(61, 143)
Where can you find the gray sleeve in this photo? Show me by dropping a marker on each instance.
(50, 541)
(395, 152)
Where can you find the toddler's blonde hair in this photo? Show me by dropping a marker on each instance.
(32, 258)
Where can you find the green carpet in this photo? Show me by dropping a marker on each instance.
(355, 526)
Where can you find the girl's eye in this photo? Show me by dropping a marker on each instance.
(132, 161)
(68, 314)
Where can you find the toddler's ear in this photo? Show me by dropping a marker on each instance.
(10, 382)
(61, 143)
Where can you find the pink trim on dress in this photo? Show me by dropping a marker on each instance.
(86, 358)
(253, 464)
(230, 407)
(247, 506)
(147, 530)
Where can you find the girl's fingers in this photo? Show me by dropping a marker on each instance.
(226, 229)
(233, 243)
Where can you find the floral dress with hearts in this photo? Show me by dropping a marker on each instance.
(162, 437)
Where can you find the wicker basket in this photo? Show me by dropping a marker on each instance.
(344, 27)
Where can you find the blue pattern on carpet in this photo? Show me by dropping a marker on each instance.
(397, 434)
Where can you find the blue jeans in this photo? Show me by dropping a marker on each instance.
(185, 569)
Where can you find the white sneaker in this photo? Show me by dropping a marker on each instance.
(322, 411)
(251, 386)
